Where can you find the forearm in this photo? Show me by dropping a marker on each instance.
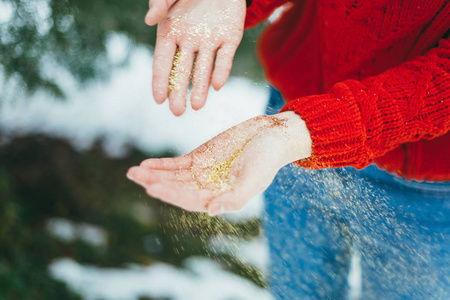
(356, 122)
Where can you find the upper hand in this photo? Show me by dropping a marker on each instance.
(207, 31)
(227, 171)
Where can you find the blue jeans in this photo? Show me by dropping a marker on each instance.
(317, 221)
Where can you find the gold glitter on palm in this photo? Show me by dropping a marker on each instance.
(220, 174)
(214, 176)
(218, 179)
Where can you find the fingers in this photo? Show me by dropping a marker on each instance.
(222, 68)
(172, 69)
(174, 187)
(158, 10)
(179, 79)
(162, 66)
(202, 78)
(176, 163)
(146, 177)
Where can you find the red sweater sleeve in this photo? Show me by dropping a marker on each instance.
(260, 10)
(357, 121)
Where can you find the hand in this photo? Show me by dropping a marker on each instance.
(188, 30)
(227, 171)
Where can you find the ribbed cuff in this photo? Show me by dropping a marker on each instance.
(336, 129)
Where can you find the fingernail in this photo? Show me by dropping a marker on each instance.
(216, 209)
(148, 16)
(159, 102)
(129, 176)
(134, 174)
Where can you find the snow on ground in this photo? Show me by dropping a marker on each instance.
(202, 279)
(6, 12)
(254, 252)
(68, 231)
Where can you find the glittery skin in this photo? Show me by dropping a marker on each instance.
(174, 85)
(214, 176)
(277, 122)
(220, 174)
(218, 178)
(205, 31)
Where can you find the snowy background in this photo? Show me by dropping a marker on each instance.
(121, 113)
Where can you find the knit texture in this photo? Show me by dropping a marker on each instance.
(370, 79)
(259, 10)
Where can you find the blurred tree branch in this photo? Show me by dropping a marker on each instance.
(72, 34)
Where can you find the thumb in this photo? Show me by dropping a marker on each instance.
(236, 198)
(157, 11)
(215, 209)
(227, 201)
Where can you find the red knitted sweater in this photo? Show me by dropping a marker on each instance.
(371, 79)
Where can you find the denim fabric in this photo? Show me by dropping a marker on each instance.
(317, 221)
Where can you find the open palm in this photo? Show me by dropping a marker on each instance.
(222, 174)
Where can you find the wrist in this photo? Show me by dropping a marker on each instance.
(282, 138)
(294, 137)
